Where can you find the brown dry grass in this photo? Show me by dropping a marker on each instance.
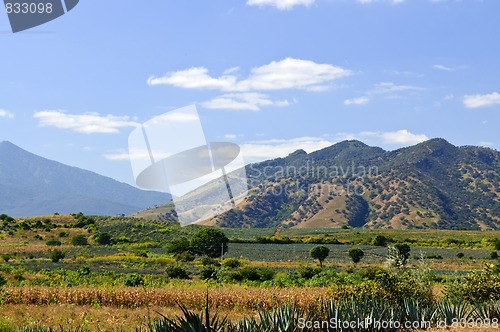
(87, 317)
(228, 297)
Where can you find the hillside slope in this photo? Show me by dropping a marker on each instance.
(430, 185)
(31, 185)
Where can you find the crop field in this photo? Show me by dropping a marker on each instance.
(119, 274)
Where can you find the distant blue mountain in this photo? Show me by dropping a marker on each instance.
(31, 185)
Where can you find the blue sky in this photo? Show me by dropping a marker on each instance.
(270, 75)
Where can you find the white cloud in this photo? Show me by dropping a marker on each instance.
(389, 87)
(288, 73)
(486, 143)
(477, 101)
(6, 114)
(250, 101)
(175, 117)
(400, 137)
(230, 136)
(194, 78)
(269, 149)
(357, 101)
(280, 4)
(135, 154)
(88, 123)
(443, 68)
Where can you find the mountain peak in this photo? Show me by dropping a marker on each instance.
(39, 186)
(297, 153)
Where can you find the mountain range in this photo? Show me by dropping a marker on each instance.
(31, 185)
(433, 184)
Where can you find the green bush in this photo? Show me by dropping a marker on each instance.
(177, 272)
(231, 263)
(206, 261)
(494, 255)
(308, 272)
(56, 255)
(3, 281)
(134, 280)
(478, 286)
(103, 239)
(184, 257)
(208, 272)
(266, 274)
(79, 240)
(53, 242)
(6, 326)
(380, 241)
(6, 257)
(250, 273)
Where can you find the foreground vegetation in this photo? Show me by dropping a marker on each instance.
(124, 273)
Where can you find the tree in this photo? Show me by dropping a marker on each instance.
(79, 240)
(497, 244)
(320, 253)
(380, 241)
(178, 245)
(398, 254)
(103, 239)
(56, 255)
(356, 254)
(209, 241)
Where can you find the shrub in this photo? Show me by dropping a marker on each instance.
(53, 242)
(266, 274)
(208, 272)
(184, 257)
(177, 272)
(6, 326)
(103, 239)
(205, 261)
(79, 240)
(494, 255)
(478, 286)
(134, 280)
(6, 257)
(249, 273)
(232, 263)
(380, 241)
(308, 272)
(56, 255)
(3, 281)
(460, 255)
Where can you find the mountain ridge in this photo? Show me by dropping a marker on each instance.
(433, 184)
(33, 185)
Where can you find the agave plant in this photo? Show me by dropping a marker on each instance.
(488, 310)
(283, 319)
(450, 311)
(415, 312)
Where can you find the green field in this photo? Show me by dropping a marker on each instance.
(137, 271)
